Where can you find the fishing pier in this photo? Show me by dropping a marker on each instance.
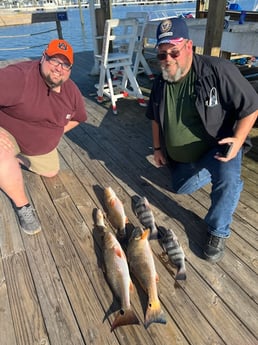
(53, 290)
(52, 287)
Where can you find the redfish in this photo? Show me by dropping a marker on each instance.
(118, 276)
(115, 212)
(141, 263)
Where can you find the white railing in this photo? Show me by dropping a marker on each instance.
(162, 14)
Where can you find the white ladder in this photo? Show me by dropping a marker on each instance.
(118, 32)
(140, 63)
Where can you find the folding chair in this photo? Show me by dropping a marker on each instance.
(140, 63)
(118, 32)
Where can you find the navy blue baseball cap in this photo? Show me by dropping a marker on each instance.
(172, 30)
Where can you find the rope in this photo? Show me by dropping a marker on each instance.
(21, 48)
(27, 35)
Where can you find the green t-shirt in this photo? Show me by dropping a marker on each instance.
(184, 131)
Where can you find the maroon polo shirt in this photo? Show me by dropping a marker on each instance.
(34, 114)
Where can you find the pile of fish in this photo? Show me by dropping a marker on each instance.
(138, 258)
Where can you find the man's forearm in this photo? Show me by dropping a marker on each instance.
(244, 126)
(155, 134)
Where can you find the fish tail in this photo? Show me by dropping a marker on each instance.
(125, 317)
(121, 234)
(99, 219)
(154, 313)
(181, 273)
(154, 233)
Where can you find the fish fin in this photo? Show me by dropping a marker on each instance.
(131, 286)
(145, 234)
(119, 252)
(157, 277)
(146, 201)
(125, 317)
(154, 314)
(112, 202)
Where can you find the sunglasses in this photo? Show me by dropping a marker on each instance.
(175, 53)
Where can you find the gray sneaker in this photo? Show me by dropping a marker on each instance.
(215, 248)
(28, 220)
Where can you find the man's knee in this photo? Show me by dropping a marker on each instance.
(6, 152)
(173, 188)
(179, 190)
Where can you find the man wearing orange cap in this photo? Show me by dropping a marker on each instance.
(38, 104)
(202, 110)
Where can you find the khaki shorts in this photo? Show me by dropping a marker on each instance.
(41, 164)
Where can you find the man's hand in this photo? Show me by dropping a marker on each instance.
(233, 148)
(159, 159)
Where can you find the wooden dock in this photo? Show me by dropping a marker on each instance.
(52, 287)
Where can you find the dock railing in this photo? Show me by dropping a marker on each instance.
(14, 19)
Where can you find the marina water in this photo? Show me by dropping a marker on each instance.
(73, 31)
(80, 36)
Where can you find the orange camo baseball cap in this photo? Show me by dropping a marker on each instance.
(60, 47)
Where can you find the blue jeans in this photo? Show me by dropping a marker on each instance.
(226, 187)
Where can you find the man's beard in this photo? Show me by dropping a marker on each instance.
(50, 82)
(172, 78)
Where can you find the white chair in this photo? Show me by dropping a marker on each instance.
(118, 32)
(140, 63)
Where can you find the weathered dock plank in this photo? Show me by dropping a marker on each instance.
(6, 321)
(10, 236)
(27, 318)
(80, 292)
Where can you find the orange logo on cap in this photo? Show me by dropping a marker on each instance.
(62, 46)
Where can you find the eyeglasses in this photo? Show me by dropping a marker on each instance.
(55, 62)
(175, 53)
